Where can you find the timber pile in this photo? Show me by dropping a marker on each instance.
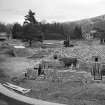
(16, 88)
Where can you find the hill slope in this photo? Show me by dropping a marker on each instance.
(87, 24)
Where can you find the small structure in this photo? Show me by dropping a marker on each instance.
(102, 38)
(89, 35)
(67, 42)
(96, 69)
(31, 74)
(3, 36)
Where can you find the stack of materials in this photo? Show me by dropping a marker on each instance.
(16, 88)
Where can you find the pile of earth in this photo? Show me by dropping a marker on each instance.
(40, 54)
(23, 52)
(6, 50)
(16, 52)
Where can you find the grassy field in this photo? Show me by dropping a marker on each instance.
(72, 87)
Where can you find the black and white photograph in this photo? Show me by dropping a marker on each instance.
(52, 52)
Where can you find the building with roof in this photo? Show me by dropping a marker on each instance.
(90, 35)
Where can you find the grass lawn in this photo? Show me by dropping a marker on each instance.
(74, 88)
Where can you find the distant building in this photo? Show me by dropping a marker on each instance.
(90, 35)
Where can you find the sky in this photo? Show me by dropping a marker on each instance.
(12, 11)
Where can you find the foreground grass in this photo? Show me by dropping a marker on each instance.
(74, 89)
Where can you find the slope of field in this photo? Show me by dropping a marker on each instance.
(87, 24)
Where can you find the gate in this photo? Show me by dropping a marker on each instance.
(96, 69)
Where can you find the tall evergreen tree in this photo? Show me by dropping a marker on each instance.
(29, 18)
(32, 29)
(32, 32)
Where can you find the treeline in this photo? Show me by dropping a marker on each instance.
(32, 30)
(5, 27)
(53, 31)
